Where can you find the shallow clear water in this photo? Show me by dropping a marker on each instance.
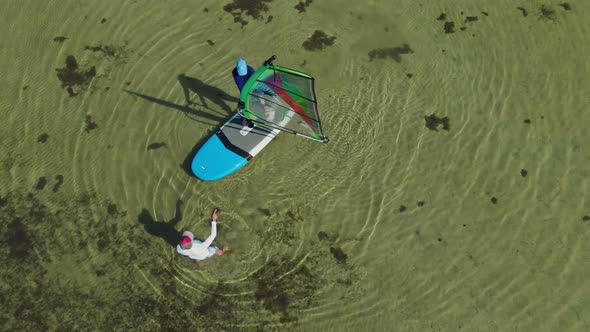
(392, 226)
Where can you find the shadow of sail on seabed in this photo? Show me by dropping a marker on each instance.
(188, 111)
(206, 92)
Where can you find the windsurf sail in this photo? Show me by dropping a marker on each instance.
(284, 99)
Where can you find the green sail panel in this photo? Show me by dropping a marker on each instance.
(284, 99)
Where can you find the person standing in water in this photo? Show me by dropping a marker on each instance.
(242, 73)
(198, 250)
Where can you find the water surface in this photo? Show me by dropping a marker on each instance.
(451, 196)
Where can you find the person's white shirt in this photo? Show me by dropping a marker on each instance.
(200, 250)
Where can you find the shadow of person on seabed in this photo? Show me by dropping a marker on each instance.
(164, 229)
(205, 91)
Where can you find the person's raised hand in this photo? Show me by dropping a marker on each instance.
(214, 215)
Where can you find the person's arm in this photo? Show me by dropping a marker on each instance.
(211, 237)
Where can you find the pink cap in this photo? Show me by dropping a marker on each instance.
(185, 240)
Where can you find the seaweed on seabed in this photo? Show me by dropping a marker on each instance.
(523, 11)
(284, 284)
(302, 5)
(41, 183)
(104, 49)
(433, 122)
(318, 41)
(90, 125)
(265, 212)
(156, 145)
(116, 53)
(32, 240)
(339, 254)
(18, 239)
(43, 138)
(323, 236)
(547, 13)
(252, 8)
(113, 211)
(449, 27)
(59, 181)
(218, 311)
(71, 76)
(391, 52)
